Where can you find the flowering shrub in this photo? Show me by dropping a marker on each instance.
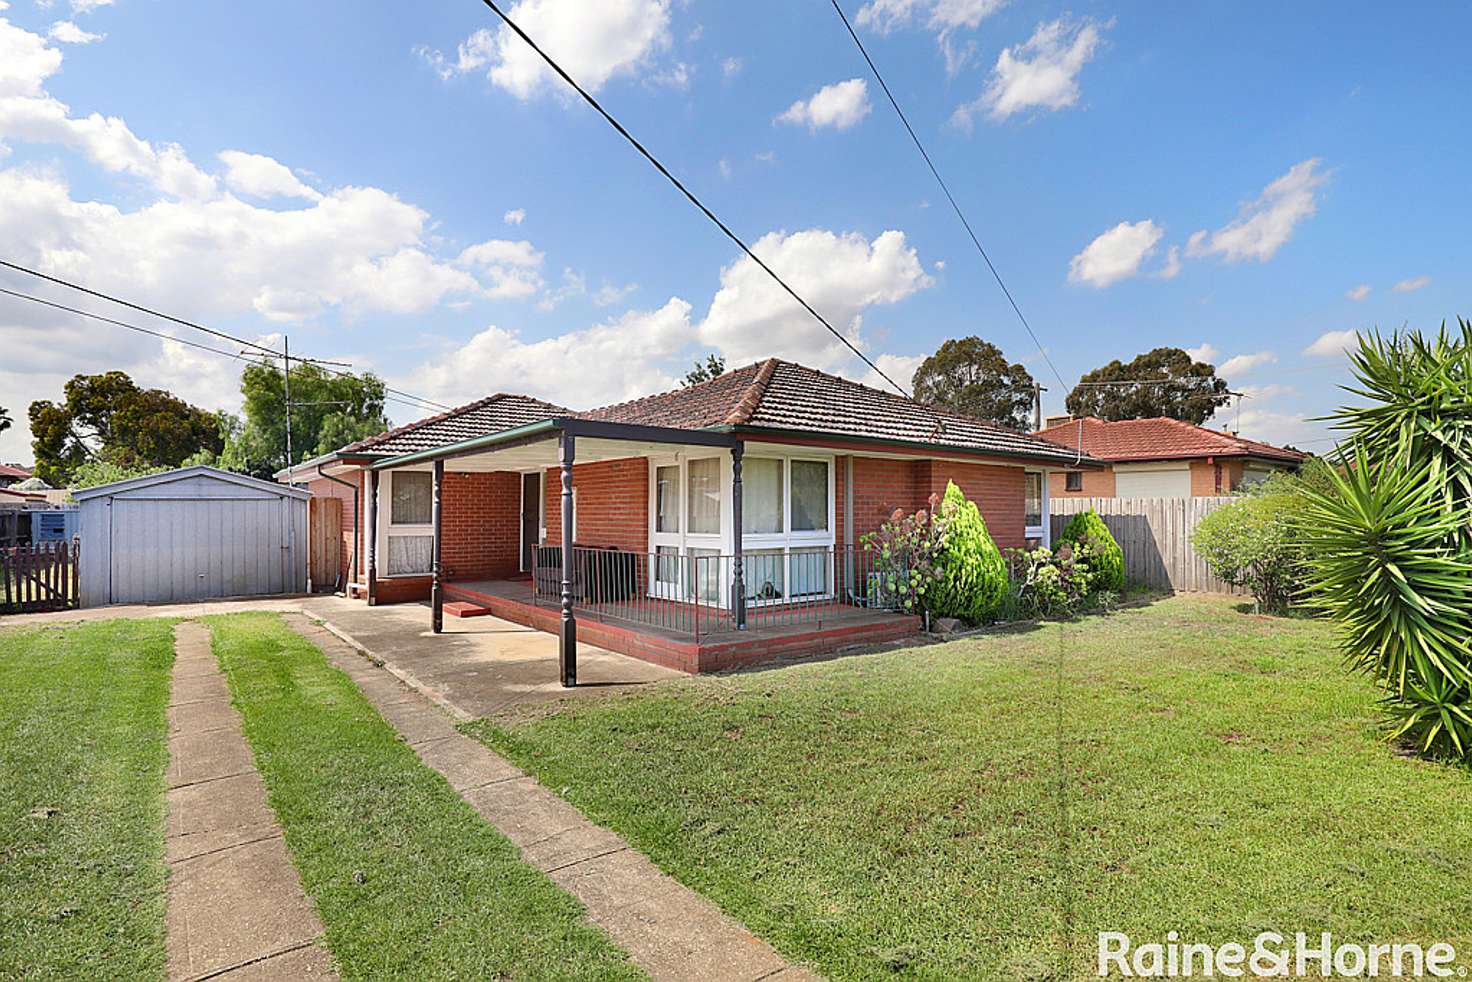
(973, 573)
(907, 551)
(1046, 583)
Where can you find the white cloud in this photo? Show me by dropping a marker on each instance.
(1242, 364)
(731, 67)
(1207, 352)
(901, 368)
(515, 216)
(940, 15)
(605, 363)
(724, 166)
(1411, 285)
(87, 6)
(507, 269)
(751, 317)
(1040, 73)
(1332, 344)
(1358, 293)
(1116, 254)
(1266, 223)
(1172, 267)
(840, 105)
(263, 177)
(608, 294)
(595, 40)
(69, 33)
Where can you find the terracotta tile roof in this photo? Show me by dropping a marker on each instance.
(782, 395)
(10, 470)
(483, 417)
(1159, 438)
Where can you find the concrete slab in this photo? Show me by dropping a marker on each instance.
(574, 845)
(198, 688)
(207, 756)
(202, 717)
(216, 815)
(524, 810)
(478, 666)
(309, 962)
(228, 908)
(416, 721)
(464, 762)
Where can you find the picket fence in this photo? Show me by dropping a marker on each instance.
(1155, 535)
(39, 577)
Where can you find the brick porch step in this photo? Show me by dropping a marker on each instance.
(460, 608)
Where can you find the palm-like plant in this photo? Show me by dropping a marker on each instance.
(1390, 540)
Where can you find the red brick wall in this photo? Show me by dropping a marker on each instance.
(882, 484)
(482, 525)
(613, 504)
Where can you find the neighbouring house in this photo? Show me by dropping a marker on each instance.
(12, 474)
(708, 525)
(1160, 458)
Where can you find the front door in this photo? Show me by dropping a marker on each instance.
(531, 514)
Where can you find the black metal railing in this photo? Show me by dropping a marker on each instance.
(694, 593)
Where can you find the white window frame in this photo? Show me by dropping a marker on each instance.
(724, 542)
(388, 528)
(1043, 532)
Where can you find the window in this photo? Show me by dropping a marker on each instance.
(704, 481)
(411, 498)
(761, 497)
(1074, 481)
(1033, 500)
(809, 572)
(667, 498)
(409, 540)
(763, 571)
(809, 496)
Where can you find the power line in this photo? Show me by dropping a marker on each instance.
(949, 197)
(241, 356)
(325, 365)
(687, 193)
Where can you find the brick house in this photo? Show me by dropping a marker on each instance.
(709, 525)
(1160, 457)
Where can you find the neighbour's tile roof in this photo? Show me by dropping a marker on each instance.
(11, 470)
(782, 395)
(502, 411)
(1159, 438)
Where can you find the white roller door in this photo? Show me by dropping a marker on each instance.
(1173, 482)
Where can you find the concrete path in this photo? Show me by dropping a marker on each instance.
(236, 909)
(669, 930)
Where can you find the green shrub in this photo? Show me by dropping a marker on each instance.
(1045, 583)
(1389, 545)
(973, 575)
(1255, 542)
(1088, 529)
(906, 554)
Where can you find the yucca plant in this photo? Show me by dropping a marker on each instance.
(1389, 539)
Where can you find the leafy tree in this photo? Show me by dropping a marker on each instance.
(328, 410)
(714, 366)
(972, 376)
(1254, 542)
(107, 417)
(1389, 546)
(1176, 387)
(96, 472)
(4, 419)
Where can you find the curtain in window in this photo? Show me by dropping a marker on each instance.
(412, 493)
(809, 496)
(1033, 501)
(410, 554)
(761, 496)
(705, 496)
(764, 576)
(706, 569)
(809, 572)
(667, 498)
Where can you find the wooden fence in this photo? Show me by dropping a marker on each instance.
(1155, 535)
(39, 577)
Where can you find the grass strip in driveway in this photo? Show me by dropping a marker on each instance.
(410, 882)
(83, 753)
(911, 812)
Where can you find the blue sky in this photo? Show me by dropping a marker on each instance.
(400, 186)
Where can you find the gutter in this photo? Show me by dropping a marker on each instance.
(469, 446)
(353, 566)
(1062, 460)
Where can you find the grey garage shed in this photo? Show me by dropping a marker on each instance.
(191, 534)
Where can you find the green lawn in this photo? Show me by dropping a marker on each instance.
(409, 880)
(83, 751)
(983, 808)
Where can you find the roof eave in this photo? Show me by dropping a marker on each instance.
(1061, 460)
